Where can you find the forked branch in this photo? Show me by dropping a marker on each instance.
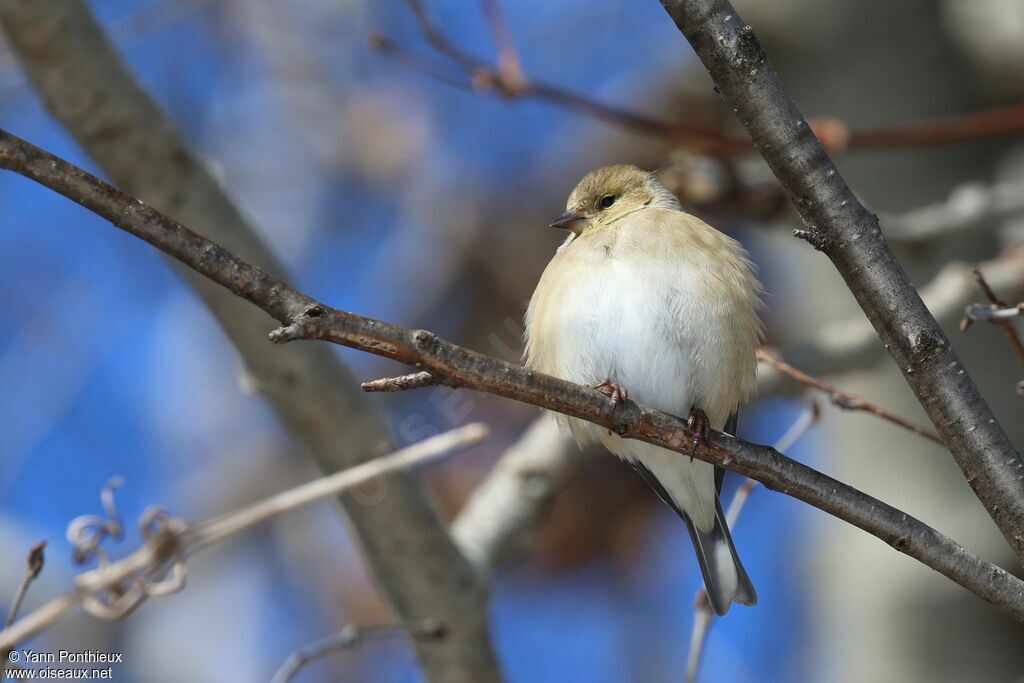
(304, 318)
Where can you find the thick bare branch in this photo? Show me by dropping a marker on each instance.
(169, 541)
(839, 225)
(306, 319)
(87, 87)
(504, 514)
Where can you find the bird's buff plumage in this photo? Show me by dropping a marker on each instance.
(657, 302)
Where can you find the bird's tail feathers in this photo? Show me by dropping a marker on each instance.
(725, 578)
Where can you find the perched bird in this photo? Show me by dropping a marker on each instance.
(643, 300)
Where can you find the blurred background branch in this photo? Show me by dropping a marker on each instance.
(87, 87)
(703, 616)
(115, 590)
(845, 345)
(305, 319)
(349, 637)
(508, 80)
(383, 192)
(839, 225)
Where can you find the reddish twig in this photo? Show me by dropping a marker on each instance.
(508, 79)
(845, 399)
(510, 66)
(942, 131)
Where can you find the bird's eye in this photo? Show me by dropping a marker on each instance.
(607, 201)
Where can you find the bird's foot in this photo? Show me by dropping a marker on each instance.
(614, 392)
(700, 426)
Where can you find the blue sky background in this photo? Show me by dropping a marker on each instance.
(109, 366)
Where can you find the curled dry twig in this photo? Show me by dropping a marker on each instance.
(115, 589)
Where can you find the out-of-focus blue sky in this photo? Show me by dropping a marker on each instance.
(109, 366)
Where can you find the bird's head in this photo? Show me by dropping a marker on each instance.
(610, 193)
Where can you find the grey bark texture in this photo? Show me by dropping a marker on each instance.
(839, 225)
(86, 86)
(306, 319)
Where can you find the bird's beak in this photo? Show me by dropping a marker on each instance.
(568, 220)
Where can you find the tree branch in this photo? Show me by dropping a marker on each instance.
(999, 313)
(968, 207)
(87, 87)
(480, 76)
(703, 616)
(170, 541)
(503, 516)
(416, 380)
(307, 319)
(33, 565)
(846, 345)
(508, 80)
(837, 224)
(845, 399)
(993, 313)
(349, 637)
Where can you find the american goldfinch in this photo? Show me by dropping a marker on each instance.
(646, 301)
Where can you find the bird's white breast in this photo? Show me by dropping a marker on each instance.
(635, 304)
(665, 306)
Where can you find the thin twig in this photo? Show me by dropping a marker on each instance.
(942, 131)
(305, 318)
(837, 224)
(513, 83)
(999, 313)
(170, 544)
(33, 565)
(416, 380)
(509, 64)
(218, 529)
(508, 79)
(439, 40)
(88, 88)
(703, 616)
(351, 636)
(990, 313)
(845, 399)
(88, 532)
(851, 344)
